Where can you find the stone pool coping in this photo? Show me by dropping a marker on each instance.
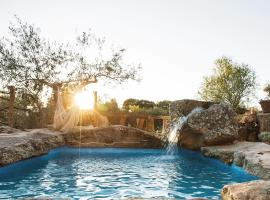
(254, 157)
(20, 145)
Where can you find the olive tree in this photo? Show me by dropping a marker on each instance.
(93, 61)
(231, 82)
(31, 63)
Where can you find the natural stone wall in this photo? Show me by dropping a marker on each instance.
(264, 122)
(254, 157)
(214, 124)
(112, 136)
(253, 190)
(22, 145)
(19, 145)
(183, 107)
(248, 126)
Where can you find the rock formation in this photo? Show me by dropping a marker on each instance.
(22, 145)
(254, 157)
(253, 190)
(182, 108)
(112, 136)
(215, 124)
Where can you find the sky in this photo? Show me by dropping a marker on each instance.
(175, 41)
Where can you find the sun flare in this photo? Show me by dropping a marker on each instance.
(85, 100)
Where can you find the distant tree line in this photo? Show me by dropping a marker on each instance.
(139, 106)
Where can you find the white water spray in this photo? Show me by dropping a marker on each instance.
(172, 138)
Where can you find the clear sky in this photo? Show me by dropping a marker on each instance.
(176, 41)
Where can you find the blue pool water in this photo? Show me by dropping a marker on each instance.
(114, 173)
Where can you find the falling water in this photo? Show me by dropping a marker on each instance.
(172, 138)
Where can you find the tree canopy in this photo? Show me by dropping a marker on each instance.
(231, 82)
(137, 102)
(33, 63)
(30, 62)
(146, 107)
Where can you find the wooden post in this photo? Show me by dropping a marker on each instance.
(11, 106)
(150, 126)
(123, 120)
(95, 100)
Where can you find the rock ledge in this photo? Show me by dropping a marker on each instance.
(254, 157)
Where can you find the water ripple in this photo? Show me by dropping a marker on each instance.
(117, 174)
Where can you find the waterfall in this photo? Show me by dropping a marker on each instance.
(172, 138)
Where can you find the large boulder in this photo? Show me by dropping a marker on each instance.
(112, 136)
(253, 190)
(254, 157)
(212, 125)
(216, 124)
(183, 107)
(190, 139)
(22, 145)
(264, 122)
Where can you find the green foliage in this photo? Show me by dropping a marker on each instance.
(146, 104)
(146, 107)
(231, 82)
(108, 67)
(24, 117)
(28, 62)
(156, 111)
(109, 106)
(136, 102)
(134, 108)
(129, 102)
(33, 64)
(267, 89)
(165, 105)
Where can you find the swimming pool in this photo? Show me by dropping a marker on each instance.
(117, 173)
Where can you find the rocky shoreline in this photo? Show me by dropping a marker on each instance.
(254, 157)
(21, 145)
(16, 145)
